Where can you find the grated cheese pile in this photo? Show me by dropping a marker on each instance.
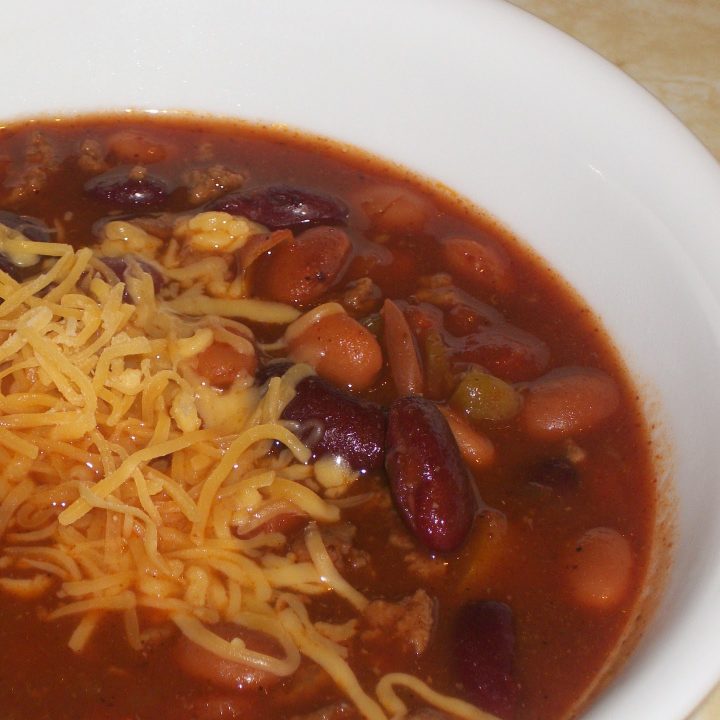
(128, 484)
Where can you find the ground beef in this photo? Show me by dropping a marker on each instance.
(40, 163)
(338, 539)
(362, 297)
(410, 621)
(208, 183)
(91, 159)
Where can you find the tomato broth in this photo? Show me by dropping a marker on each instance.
(497, 512)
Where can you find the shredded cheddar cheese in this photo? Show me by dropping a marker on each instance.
(129, 485)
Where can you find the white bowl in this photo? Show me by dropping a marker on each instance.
(557, 144)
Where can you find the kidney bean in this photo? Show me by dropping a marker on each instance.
(478, 263)
(351, 428)
(301, 270)
(567, 401)
(127, 189)
(9, 267)
(484, 655)
(505, 351)
(341, 350)
(220, 364)
(32, 228)
(281, 206)
(557, 472)
(273, 368)
(119, 265)
(393, 209)
(201, 664)
(431, 487)
(401, 351)
(599, 569)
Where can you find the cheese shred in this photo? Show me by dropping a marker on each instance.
(130, 487)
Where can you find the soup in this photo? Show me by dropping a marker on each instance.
(288, 433)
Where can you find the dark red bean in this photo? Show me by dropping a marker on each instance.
(10, 268)
(284, 207)
(274, 368)
(345, 425)
(431, 486)
(30, 227)
(484, 655)
(119, 265)
(122, 188)
(505, 351)
(557, 472)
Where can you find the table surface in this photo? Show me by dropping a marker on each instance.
(670, 47)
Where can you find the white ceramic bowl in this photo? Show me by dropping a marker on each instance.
(561, 147)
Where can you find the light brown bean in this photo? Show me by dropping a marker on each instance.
(475, 447)
(402, 351)
(599, 569)
(341, 350)
(201, 664)
(394, 209)
(476, 262)
(132, 146)
(568, 401)
(300, 270)
(220, 364)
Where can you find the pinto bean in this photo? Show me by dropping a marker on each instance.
(350, 428)
(431, 487)
(281, 206)
(478, 263)
(393, 209)
(475, 447)
(301, 270)
(402, 351)
(341, 350)
(220, 364)
(201, 664)
(484, 655)
(568, 401)
(133, 146)
(599, 569)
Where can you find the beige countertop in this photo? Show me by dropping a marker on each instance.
(672, 47)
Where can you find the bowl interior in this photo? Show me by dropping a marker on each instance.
(559, 146)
